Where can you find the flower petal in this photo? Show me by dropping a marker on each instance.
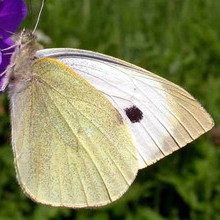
(0, 57)
(6, 54)
(5, 58)
(12, 12)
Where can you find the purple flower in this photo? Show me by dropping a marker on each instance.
(5, 54)
(12, 13)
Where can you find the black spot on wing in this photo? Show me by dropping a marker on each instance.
(134, 114)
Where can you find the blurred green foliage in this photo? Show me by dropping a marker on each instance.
(179, 40)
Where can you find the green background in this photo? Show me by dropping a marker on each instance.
(177, 39)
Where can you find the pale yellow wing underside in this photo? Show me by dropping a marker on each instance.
(71, 146)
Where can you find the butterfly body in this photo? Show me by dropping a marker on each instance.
(19, 71)
(84, 123)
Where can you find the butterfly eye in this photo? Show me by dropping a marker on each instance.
(134, 114)
(27, 37)
(12, 79)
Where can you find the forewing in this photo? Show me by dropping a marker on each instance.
(171, 116)
(71, 146)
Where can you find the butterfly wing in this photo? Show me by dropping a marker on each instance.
(161, 115)
(71, 146)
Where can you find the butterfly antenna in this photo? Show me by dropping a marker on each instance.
(39, 15)
(9, 32)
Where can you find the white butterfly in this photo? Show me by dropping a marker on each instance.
(83, 123)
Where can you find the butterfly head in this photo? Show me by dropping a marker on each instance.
(26, 47)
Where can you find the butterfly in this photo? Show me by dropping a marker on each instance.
(84, 123)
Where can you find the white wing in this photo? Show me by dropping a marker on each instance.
(161, 115)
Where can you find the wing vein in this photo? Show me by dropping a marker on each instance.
(199, 123)
(83, 144)
(177, 89)
(138, 149)
(87, 118)
(172, 113)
